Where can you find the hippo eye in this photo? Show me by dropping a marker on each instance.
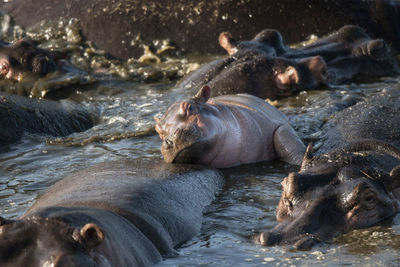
(369, 200)
(168, 142)
(4, 68)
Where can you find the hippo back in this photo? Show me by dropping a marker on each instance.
(20, 114)
(254, 104)
(378, 117)
(169, 198)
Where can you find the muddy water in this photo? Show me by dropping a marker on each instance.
(126, 96)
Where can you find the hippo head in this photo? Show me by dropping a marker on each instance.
(335, 193)
(38, 241)
(270, 77)
(268, 42)
(24, 58)
(186, 129)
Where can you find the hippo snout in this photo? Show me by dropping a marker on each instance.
(301, 242)
(269, 239)
(175, 146)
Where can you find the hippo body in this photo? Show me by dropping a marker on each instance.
(376, 118)
(226, 131)
(125, 213)
(267, 68)
(19, 114)
(195, 26)
(353, 183)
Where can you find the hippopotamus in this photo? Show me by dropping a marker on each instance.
(125, 213)
(19, 115)
(23, 58)
(352, 183)
(26, 69)
(194, 26)
(267, 68)
(226, 131)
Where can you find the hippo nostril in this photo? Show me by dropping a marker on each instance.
(268, 239)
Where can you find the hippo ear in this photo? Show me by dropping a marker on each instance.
(92, 235)
(228, 43)
(319, 69)
(392, 182)
(203, 94)
(157, 119)
(308, 155)
(287, 78)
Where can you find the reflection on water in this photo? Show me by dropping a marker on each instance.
(246, 205)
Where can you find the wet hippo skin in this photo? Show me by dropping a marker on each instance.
(125, 213)
(19, 115)
(267, 68)
(353, 183)
(226, 131)
(195, 26)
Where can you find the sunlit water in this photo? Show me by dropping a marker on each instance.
(126, 106)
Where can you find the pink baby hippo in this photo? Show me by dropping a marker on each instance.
(226, 131)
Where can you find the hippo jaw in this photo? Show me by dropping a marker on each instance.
(38, 241)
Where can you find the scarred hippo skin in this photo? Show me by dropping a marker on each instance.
(226, 131)
(19, 114)
(267, 68)
(23, 58)
(196, 25)
(126, 213)
(353, 186)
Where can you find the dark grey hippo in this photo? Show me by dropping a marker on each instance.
(125, 213)
(353, 183)
(22, 58)
(26, 69)
(226, 131)
(195, 26)
(19, 115)
(267, 68)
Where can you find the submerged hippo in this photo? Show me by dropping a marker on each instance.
(353, 186)
(19, 115)
(125, 213)
(194, 25)
(226, 131)
(26, 69)
(267, 68)
(23, 58)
